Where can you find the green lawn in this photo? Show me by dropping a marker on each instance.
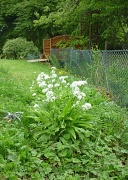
(16, 77)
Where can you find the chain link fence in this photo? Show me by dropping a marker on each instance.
(107, 69)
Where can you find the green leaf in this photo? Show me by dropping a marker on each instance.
(67, 107)
(12, 157)
(63, 153)
(75, 160)
(72, 132)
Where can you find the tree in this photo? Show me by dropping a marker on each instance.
(16, 20)
(96, 21)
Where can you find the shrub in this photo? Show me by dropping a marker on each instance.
(19, 48)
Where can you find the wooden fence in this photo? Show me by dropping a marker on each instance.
(53, 43)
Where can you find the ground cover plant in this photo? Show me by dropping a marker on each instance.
(68, 129)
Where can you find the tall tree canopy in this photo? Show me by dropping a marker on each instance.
(16, 19)
(96, 21)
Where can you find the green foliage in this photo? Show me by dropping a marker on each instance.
(82, 142)
(19, 48)
(38, 19)
(16, 20)
(92, 20)
(56, 140)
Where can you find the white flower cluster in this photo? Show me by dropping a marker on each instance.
(51, 84)
(62, 79)
(86, 106)
(45, 82)
(76, 90)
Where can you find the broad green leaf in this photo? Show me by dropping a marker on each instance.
(72, 132)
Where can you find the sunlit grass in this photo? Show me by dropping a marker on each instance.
(16, 76)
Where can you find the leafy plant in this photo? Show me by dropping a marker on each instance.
(19, 48)
(60, 111)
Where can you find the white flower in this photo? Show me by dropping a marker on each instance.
(42, 84)
(76, 93)
(53, 72)
(76, 88)
(78, 83)
(34, 94)
(45, 90)
(53, 68)
(56, 85)
(53, 76)
(53, 80)
(40, 76)
(36, 106)
(86, 106)
(50, 86)
(76, 104)
(63, 77)
(63, 81)
(46, 76)
(79, 97)
(51, 99)
(82, 94)
(50, 96)
(31, 87)
(81, 83)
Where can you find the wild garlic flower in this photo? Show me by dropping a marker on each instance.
(36, 106)
(56, 85)
(53, 72)
(86, 106)
(49, 93)
(77, 83)
(46, 76)
(50, 86)
(63, 77)
(34, 94)
(50, 96)
(45, 90)
(42, 84)
(53, 80)
(63, 81)
(76, 104)
(40, 76)
(53, 68)
(78, 94)
(53, 75)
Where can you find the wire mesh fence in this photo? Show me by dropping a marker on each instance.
(106, 69)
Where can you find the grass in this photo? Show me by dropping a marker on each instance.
(58, 140)
(15, 79)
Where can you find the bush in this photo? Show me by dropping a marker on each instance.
(19, 48)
